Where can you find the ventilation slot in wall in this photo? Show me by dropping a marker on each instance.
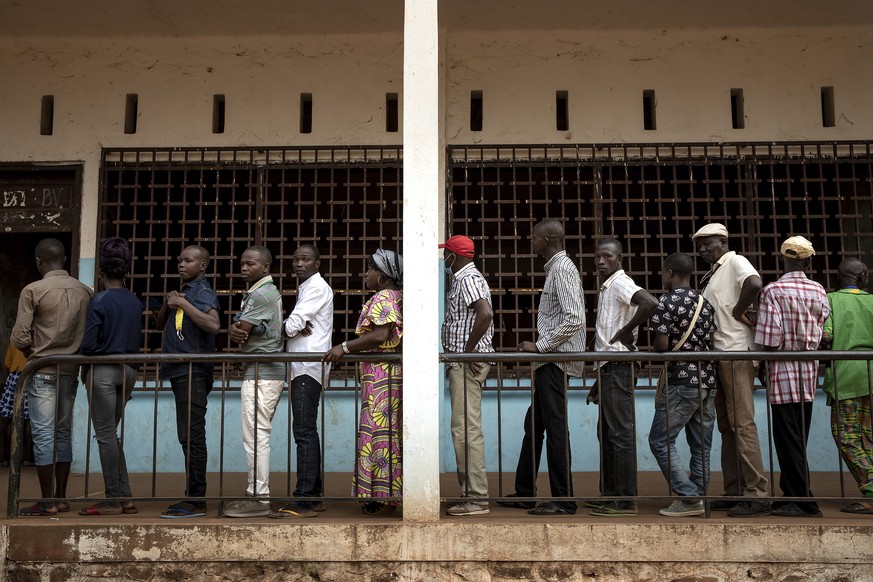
(649, 121)
(476, 111)
(562, 111)
(738, 112)
(392, 114)
(828, 117)
(306, 113)
(47, 115)
(218, 114)
(131, 110)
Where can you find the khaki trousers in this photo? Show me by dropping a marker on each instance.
(467, 428)
(741, 463)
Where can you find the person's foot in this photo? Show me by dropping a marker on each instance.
(750, 509)
(516, 504)
(615, 509)
(722, 504)
(553, 508)
(468, 508)
(185, 509)
(794, 510)
(293, 510)
(246, 508)
(682, 508)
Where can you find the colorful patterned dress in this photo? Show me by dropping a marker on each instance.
(378, 467)
(14, 362)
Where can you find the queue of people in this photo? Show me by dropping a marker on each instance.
(733, 311)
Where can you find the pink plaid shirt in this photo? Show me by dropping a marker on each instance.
(791, 315)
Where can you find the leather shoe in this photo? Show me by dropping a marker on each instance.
(750, 509)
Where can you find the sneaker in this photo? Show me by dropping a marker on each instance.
(750, 509)
(468, 508)
(615, 509)
(247, 508)
(680, 508)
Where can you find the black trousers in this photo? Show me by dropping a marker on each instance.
(547, 415)
(191, 428)
(790, 435)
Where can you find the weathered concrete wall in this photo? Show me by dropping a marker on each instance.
(378, 571)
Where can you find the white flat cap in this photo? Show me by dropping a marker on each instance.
(711, 229)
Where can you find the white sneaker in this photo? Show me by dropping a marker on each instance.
(681, 508)
(468, 508)
(247, 508)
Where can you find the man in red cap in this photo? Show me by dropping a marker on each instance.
(468, 327)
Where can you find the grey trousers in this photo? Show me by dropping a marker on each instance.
(110, 388)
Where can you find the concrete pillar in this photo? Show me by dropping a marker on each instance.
(421, 188)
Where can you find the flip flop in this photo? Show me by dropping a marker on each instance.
(104, 508)
(183, 510)
(63, 507)
(37, 510)
(292, 511)
(548, 508)
(861, 507)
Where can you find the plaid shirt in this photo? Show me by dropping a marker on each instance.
(792, 313)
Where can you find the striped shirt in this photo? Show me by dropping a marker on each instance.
(614, 311)
(468, 287)
(791, 316)
(561, 312)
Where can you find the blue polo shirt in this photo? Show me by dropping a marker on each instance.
(198, 293)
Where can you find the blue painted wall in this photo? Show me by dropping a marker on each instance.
(149, 441)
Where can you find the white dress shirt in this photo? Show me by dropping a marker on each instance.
(314, 305)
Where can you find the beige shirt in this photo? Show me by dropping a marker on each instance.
(723, 291)
(51, 317)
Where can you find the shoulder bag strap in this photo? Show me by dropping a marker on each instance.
(691, 325)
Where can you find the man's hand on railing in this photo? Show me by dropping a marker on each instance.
(530, 347)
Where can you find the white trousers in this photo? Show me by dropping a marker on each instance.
(268, 393)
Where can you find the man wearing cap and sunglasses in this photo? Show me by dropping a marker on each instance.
(468, 327)
(732, 286)
(791, 316)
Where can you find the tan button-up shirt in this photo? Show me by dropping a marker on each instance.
(51, 317)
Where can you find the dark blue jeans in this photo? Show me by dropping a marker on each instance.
(617, 431)
(305, 398)
(547, 414)
(191, 428)
(680, 408)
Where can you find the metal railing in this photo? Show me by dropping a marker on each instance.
(509, 376)
(226, 381)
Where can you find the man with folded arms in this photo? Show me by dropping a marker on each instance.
(732, 286)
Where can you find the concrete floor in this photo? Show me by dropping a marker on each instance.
(155, 493)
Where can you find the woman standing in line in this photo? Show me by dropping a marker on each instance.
(113, 326)
(378, 466)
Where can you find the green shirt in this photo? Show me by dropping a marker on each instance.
(851, 327)
(262, 305)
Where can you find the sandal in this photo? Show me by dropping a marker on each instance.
(63, 506)
(102, 508)
(38, 510)
(861, 507)
(184, 509)
(378, 508)
(109, 508)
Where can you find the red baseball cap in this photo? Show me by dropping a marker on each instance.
(460, 245)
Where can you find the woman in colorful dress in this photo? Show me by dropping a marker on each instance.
(378, 466)
(113, 326)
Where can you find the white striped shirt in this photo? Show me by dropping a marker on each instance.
(468, 287)
(561, 312)
(614, 311)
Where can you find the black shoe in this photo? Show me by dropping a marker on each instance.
(794, 510)
(516, 504)
(750, 509)
(722, 504)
